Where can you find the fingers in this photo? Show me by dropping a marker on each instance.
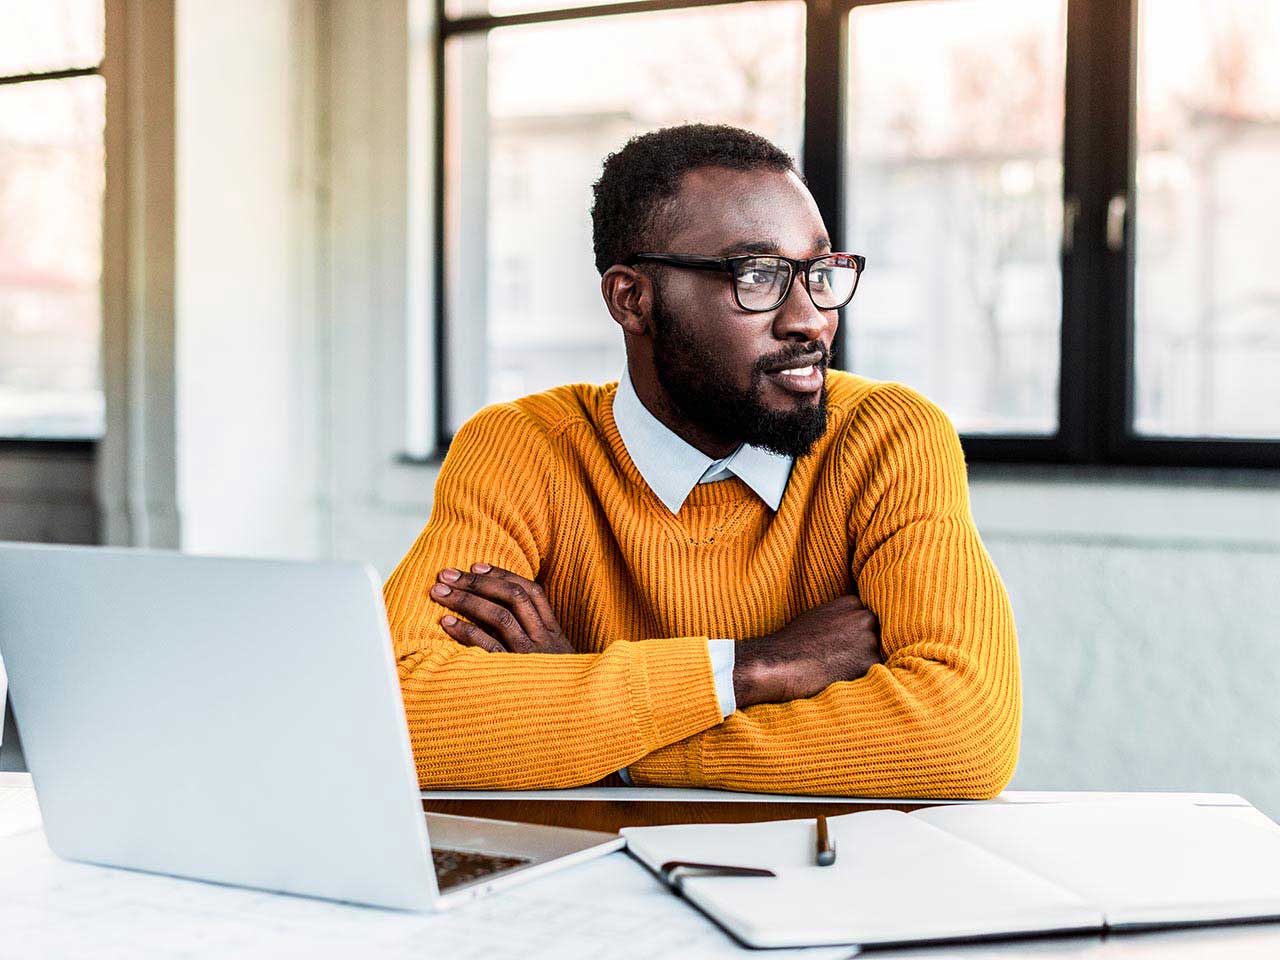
(495, 620)
(469, 635)
(510, 594)
(505, 606)
(534, 590)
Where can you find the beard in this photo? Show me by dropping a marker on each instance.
(699, 386)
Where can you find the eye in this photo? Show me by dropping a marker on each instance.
(761, 273)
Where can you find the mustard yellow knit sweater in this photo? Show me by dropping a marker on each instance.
(544, 487)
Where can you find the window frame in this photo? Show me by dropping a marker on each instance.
(1096, 355)
(71, 445)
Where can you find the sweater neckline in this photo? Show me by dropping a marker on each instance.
(722, 492)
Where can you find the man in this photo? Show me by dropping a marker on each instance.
(733, 568)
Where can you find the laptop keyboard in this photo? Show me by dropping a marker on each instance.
(456, 867)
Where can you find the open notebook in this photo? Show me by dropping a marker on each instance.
(974, 871)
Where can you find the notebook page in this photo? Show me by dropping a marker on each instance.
(895, 879)
(1142, 863)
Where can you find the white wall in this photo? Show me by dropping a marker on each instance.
(248, 386)
(380, 166)
(1147, 615)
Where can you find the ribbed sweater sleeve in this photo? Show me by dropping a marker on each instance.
(488, 720)
(941, 716)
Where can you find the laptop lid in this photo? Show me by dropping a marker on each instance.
(238, 721)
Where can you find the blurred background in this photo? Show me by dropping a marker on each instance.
(258, 262)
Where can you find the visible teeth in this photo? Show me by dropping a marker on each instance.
(798, 371)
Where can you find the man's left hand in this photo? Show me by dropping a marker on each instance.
(508, 613)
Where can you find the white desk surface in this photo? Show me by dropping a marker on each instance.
(678, 795)
(611, 907)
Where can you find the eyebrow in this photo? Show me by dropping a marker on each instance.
(820, 243)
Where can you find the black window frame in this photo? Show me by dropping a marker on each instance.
(37, 445)
(1096, 373)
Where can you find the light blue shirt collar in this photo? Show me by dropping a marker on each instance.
(672, 467)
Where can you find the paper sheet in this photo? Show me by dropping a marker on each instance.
(611, 907)
(1142, 863)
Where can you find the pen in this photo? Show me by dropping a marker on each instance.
(826, 847)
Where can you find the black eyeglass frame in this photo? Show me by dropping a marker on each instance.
(729, 265)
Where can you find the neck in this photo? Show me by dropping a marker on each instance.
(658, 403)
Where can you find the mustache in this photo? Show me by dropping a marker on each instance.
(765, 364)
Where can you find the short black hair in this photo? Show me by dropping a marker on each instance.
(639, 181)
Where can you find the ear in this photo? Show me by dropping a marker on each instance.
(629, 296)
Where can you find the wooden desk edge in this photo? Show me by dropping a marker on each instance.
(610, 816)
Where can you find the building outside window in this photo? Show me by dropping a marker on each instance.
(1067, 208)
(52, 112)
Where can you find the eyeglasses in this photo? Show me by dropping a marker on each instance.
(763, 282)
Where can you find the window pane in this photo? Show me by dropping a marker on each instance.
(38, 36)
(525, 137)
(472, 8)
(51, 179)
(954, 134)
(1207, 291)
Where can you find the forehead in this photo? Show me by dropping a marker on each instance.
(717, 208)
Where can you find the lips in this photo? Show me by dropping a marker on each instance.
(798, 363)
(799, 377)
(796, 371)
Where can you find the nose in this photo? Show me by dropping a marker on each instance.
(799, 319)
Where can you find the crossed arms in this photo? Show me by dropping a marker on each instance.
(908, 689)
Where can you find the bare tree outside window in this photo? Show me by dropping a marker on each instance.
(525, 139)
(950, 175)
(1207, 311)
(955, 113)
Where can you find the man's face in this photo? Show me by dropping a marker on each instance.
(718, 363)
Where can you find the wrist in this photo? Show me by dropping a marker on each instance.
(750, 673)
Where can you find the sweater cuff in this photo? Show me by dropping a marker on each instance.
(673, 690)
(679, 765)
(721, 653)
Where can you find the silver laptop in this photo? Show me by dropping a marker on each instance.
(238, 721)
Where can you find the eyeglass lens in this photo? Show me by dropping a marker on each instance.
(762, 282)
